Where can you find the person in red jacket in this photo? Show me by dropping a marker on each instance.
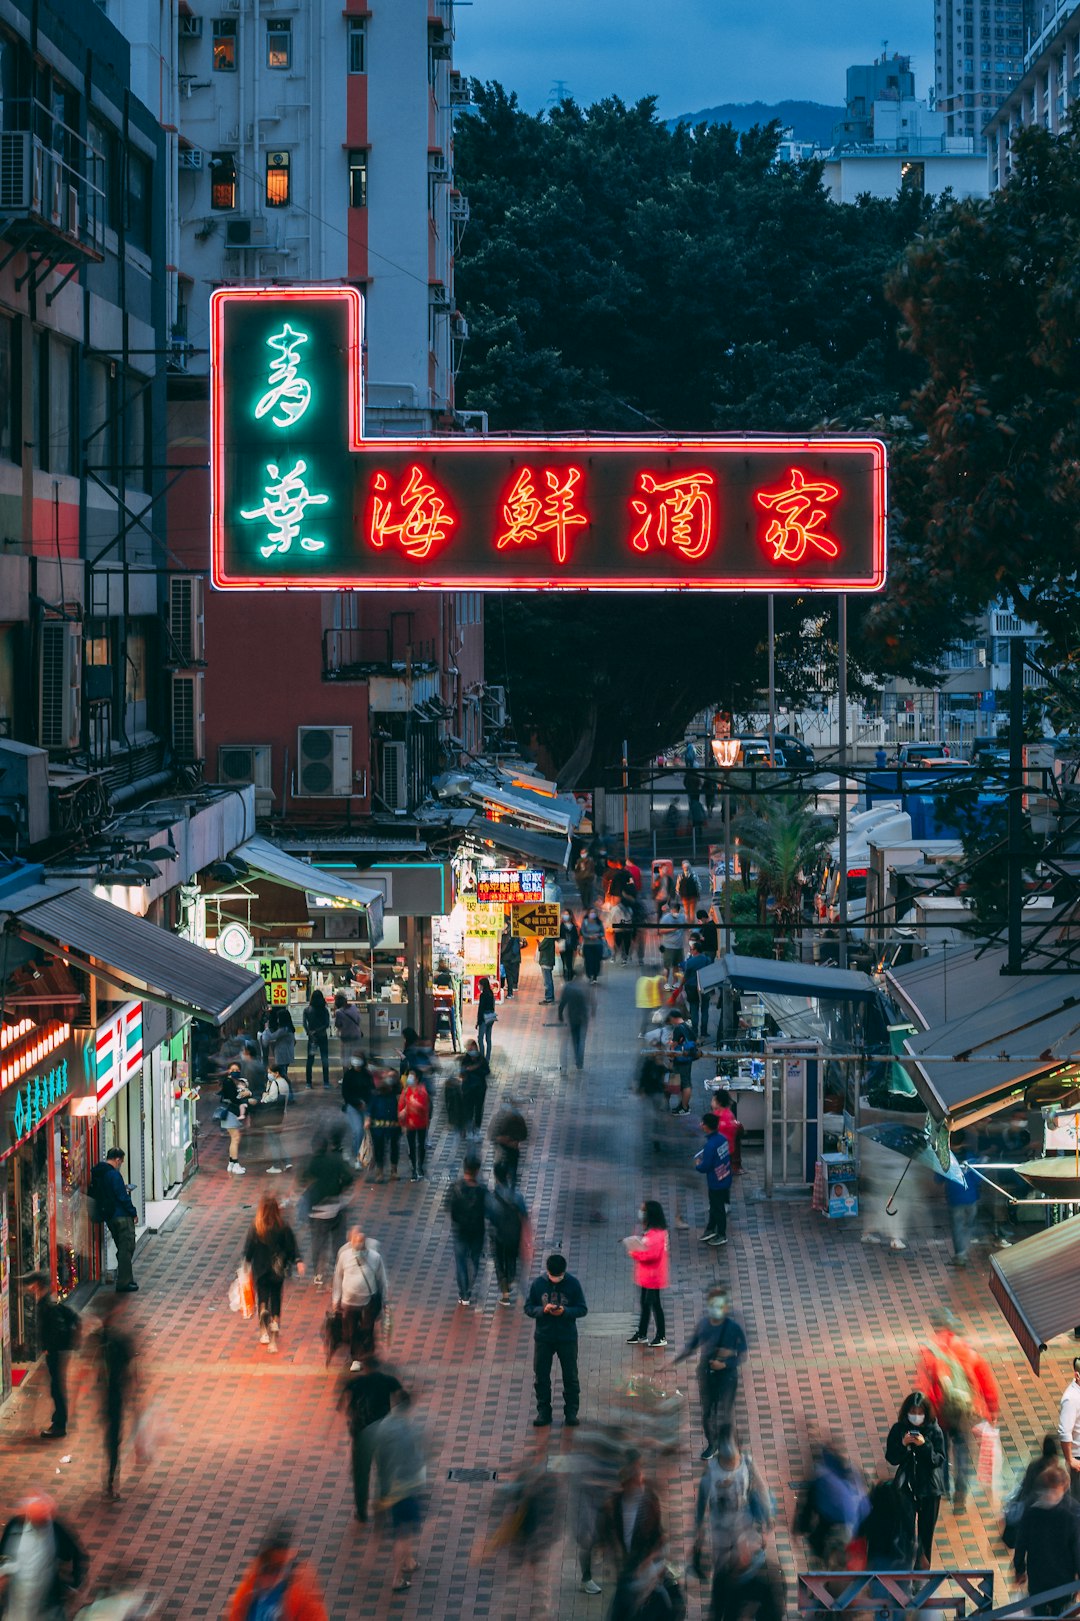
(414, 1113)
(649, 1252)
(279, 1583)
(729, 1126)
(962, 1391)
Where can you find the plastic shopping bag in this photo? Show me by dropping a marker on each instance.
(988, 1466)
(242, 1291)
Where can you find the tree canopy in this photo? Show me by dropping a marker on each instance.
(621, 276)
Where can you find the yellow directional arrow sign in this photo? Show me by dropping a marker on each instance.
(535, 918)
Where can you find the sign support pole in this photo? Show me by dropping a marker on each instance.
(772, 677)
(625, 801)
(842, 723)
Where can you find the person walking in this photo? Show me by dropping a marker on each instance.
(916, 1447)
(509, 1133)
(962, 1392)
(366, 1397)
(732, 1502)
(402, 1474)
(510, 957)
(648, 996)
(385, 1127)
(271, 1251)
(485, 1016)
(714, 1162)
(268, 1118)
(567, 943)
(1048, 1541)
(327, 1181)
(1069, 1428)
(555, 1302)
(466, 1204)
(728, 1122)
(720, 1343)
(116, 1358)
(357, 1087)
(282, 1053)
(347, 1025)
(360, 1292)
(692, 964)
(474, 1070)
(112, 1198)
(317, 1028)
(593, 940)
(42, 1561)
(508, 1224)
(585, 878)
(683, 1052)
(574, 1012)
(58, 1329)
(622, 927)
(235, 1096)
(629, 1525)
(672, 935)
(414, 1113)
(688, 890)
(277, 1584)
(650, 1252)
(545, 961)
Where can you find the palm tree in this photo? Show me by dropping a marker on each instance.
(782, 838)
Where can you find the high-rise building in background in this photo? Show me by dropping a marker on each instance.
(1048, 90)
(978, 58)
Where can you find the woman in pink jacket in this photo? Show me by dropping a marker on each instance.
(649, 1253)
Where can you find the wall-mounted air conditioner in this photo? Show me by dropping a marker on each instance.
(323, 762)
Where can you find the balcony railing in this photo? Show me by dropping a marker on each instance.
(56, 180)
(349, 655)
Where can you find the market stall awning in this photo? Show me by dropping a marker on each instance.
(271, 861)
(530, 809)
(522, 841)
(766, 975)
(135, 956)
(1037, 1286)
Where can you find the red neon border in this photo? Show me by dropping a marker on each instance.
(420, 448)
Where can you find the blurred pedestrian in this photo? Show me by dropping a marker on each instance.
(115, 1354)
(962, 1392)
(650, 1252)
(555, 1302)
(1048, 1541)
(466, 1203)
(688, 890)
(707, 932)
(574, 1012)
(834, 1504)
(692, 965)
(683, 1052)
(282, 1050)
(277, 1584)
(887, 1529)
(567, 943)
(357, 1087)
(235, 1096)
(585, 878)
(593, 941)
(714, 1162)
(545, 961)
(474, 1070)
(622, 927)
(1048, 1453)
(733, 1504)
(271, 1251)
(962, 1203)
(720, 1343)
(672, 939)
(402, 1474)
(366, 1397)
(58, 1329)
(509, 1133)
(728, 1123)
(528, 1513)
(385, 1126)
(648, 996)
(41, 1561)
(347, 1025)
(414, 1113)
(317, 1028)
(485, 1015)
(360, 1291)
(111, 1197)
(268, 1118)
(1069, 1428)
(916, 1447)
(508, 1223)
(327, 1182)
(630, 1526)
(510, 958)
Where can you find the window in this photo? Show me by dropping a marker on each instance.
(358, 179)
(279, 43)
(137, 211)
(61, 436)
(357, 44)
(100, 386)
(224, 59)
(913, 177)
(277, 179)
(104, 172)
(136, 434)
(135, 664)
(8, 391)
(222, 180)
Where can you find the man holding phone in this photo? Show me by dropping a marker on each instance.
(555, 1302)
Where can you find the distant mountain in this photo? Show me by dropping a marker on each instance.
(809, 119)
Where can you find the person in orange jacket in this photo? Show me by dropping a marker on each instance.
(414, 1113)
(278, 1577)
(962, 1391)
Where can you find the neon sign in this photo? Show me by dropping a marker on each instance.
(300, 499)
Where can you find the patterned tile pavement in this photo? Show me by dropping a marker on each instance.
(834, 1325)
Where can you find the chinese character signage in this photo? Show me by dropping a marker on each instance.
(44, 1068)
(275, 973)
(300, 499)
(509, 884)
(118, 1051)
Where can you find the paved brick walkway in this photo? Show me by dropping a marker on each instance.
(834, 1326)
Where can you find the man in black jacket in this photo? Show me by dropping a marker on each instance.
(58, 1332)
(466, 1201)
(366, 1398)
(42, 1560)
(1048, 1540)
(555, 1302)
(115, 1209)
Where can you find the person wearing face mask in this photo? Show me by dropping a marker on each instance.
(652, 1272)
(721, 1346)
(592, 944)
(916, 1446)
(567, 943)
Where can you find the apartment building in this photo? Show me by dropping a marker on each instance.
(1047, 91)
(979, 50)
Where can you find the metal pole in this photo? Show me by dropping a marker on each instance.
(727, 866)
(1016, 805)
(772, 677)
(625, 801)
(841, 721)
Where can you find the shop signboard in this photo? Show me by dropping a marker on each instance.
(301, 500)
(481, 954)
(118, 1051)
(509, 886)
(275, 973)
(42, 1069)
(483, 917)
(539, 920)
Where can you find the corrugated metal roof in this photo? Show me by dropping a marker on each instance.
(788, 978)
(522, 841)
(274, 862)
(1037, 1286)
(137, 956)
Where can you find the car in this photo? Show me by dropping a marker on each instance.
(921, 754)
(798, 756)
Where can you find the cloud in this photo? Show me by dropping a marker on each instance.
(689, 53)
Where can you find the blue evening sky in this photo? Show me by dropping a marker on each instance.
(690, 53)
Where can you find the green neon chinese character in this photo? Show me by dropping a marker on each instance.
(287, 499)
(289, 394)
(20, 1116)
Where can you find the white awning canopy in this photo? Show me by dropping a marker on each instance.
(272, 861)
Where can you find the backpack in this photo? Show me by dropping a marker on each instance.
(270, 1605)
(98, 1200)
(956, 1401)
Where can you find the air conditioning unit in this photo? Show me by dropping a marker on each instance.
(243, 763)
(395, 788)
(59, 689)
(439, 298)
(24, 789)
(186, 622)
(324, 762)
(190, 157)
(191, 28)
(442, 50)
(436, 162)
(238, 233)
(188, 726)
(460, 93)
